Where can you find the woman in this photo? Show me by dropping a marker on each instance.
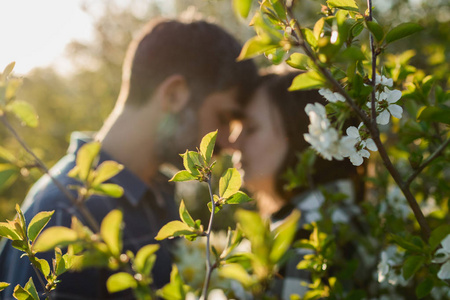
(270, 142)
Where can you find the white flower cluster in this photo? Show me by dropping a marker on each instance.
(326, 140)
(443, 256)
(388, 269)
(385, 101)
(330, 96)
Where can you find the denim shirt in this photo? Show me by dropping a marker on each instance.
(145, 210)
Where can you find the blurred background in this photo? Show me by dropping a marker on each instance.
(69, 54)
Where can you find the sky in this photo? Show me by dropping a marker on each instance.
(34, 33)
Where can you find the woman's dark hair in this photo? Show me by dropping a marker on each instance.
(295, 121)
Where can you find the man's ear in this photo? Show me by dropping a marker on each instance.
(174, 93)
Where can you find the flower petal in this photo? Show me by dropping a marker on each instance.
(395, 110)
(353, 132)
(383, 117)
(393, 96)
(339, 97)
(446, 243)
(370, 144)
(444, 272)
(356, 159)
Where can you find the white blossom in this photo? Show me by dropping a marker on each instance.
(395, 203)
(331, 96)
(385, 106)
(324, 138)
(388, 267)
(361, 142)
(383, 80)
(443, 256)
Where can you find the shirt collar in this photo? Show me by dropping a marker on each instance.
(134, 188)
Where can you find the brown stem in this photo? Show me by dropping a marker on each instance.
(371, 126)
(427, 162)
(84, 211)
(374, 68)
(47, 293)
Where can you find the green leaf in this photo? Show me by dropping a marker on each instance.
(174, 229)
(256, 46)
(242, 7)
(438, 234)
(106, 170)
(412, 264)
(435, 114)
(120, 281)
(191, 160)
(405, 244)
(110, 231)
(175, 289)
(8, 175)
(43, 266)
(425, 287)
(61, 262)
(54, 236)
(238, 198)
(8, 231)
(299, 61)
(85, 158)
(401, 31)
(229, 183)
(3, 285)
(310, 38)
(207, 145)
(38, 223)
(24, 112)
(307, 81)
(145, 258)
(21, 294)
(21, 245)
(376, 30)
(7, 155)
(284, 235)
(31, 288)
(351, 54)
(108, 189)
(183, 175)
(7, 70)
(185, 216)
(343, 4)
(236, 272)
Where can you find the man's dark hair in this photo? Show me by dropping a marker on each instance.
(202, 52)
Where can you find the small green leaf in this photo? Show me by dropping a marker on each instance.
(191, 160)
(412, 264)
(8, 231)
(238, 198)
(43, 266)
(54, 236)
(236, 272)
(405, 244)
(7, 70)
(38, 223)
(8, 175)
(175, 289)
(24, 112)
(145, 258)
(401, 31)
(174, 229)
(284, 235)
(21, 245)
(256, 46)
(31, 288)
(229, 183)
(310, 38)
(207, 145)
(3, 285)
(351, 54)
(7, 155)
(318, 27)
(343, 4)
(307, 81)
(106, 170)
(185, 216)
(61, 264)
(242, 7)
(425, 287)
(108, 189)
(435, 114)
(183, 175)
(110, 231)
(438, 234)
(85, 158)
(120, 281)
(376, 30)
(299, 61)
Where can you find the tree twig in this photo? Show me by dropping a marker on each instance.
(430, 158)
(209, 266)
(83, 210)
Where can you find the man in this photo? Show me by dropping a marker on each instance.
(180, 81)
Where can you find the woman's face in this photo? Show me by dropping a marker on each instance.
(262, 142)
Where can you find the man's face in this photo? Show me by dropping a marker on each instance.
(217, 111)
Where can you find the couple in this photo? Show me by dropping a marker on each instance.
(180, 81)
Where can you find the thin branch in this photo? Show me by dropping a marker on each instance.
(84, 211)
(209, 266)
(47, 293)
(374, 68)
(372, 127)
(427, 162)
